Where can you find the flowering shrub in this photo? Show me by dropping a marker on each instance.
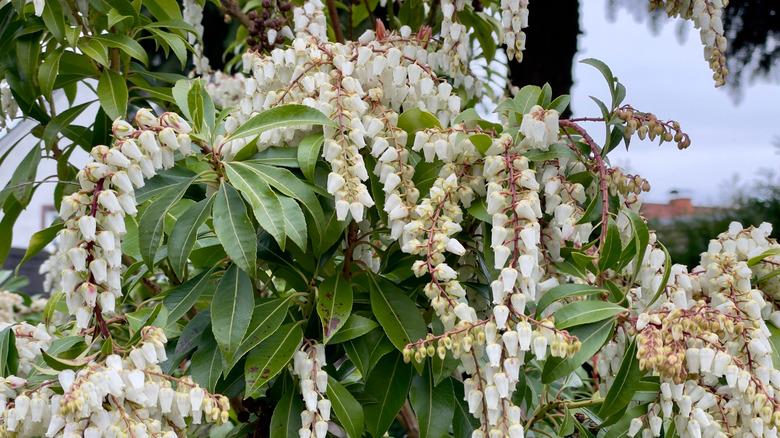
(341, 245)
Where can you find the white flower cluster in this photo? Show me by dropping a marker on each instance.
(224, 89)
(89, 253)
(307, 365)
(455, 47)
(117, 397)
(13, 309)
(707, 16)
(710, 345)
(361, 85)
(8, 106)
(192, 13)
(514, 18)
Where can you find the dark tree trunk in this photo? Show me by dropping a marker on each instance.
(551, 43)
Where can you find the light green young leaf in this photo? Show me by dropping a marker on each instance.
(231, 310)
(334, 304)
(234, 229)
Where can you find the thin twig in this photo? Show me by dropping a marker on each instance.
(334, 20)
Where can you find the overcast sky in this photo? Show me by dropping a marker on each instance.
(671, 79)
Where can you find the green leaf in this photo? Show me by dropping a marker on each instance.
(231, 310)
(294, 221)
(388, 385)
(54, 19)
(185, 234)
(771, 252)
(565, 291)
(434, 405)
(47, 73)
(397, 314)
(206, 367)
(278, 157)
(112, 92)
(526, 98)
(180, 300)
(641, 237)
(348, 411)
(151, 225)
(585, 312)
(282, 116)
(609, 253)
(163, 9)
(478, 209)
(234, 229)
(355, 326)
(415, 119)
(265, 203)
(9, 357)
(201, 108)
(560, 103)
(592, 336)
(96, 50)
(286, 419)
(364, 352)
(334, 304)
(266, 318)
(271, 356)
(308, 153)
(39, 240)
(61, 122)
(620, 429)
(126, 44)
(625, 384)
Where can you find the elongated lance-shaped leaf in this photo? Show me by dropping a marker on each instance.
(180, 299)
(185, 234)
(269, 357)
(434, 405)
(234, 229)
(388, 385)
(264, 201)
(266, 318)
(231, 310)
(396, 312)
(334, 304)
(282, 116)
(348, 411)
(151, 225)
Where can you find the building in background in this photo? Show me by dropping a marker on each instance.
(677, 208)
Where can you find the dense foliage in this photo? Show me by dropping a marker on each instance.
(335, 242)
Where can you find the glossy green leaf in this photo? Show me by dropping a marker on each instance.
(271, 356)
(397, 314)
(387, 385)
(231, 310)
(9, 358)
(39, 240)
(334, 304)
(565, 291)
(585, 312)
(433, 404)
(415, 119)
(126, 44)
(592, 336)
(294, 222)
(47, 73)
(267, 317)
(54, 19)
(234, 229)
(281, 116)
(265, 203)
(206, 367)
(286, 419)
(355, 326)
(185, 234)
(348, 411)
(625, 384)
(308, 153)
(609, 253)
(151, 224)
(180, 299)
(112, 92)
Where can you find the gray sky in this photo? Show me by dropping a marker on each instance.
(672, 80)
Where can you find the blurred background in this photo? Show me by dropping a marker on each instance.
(730, 172)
